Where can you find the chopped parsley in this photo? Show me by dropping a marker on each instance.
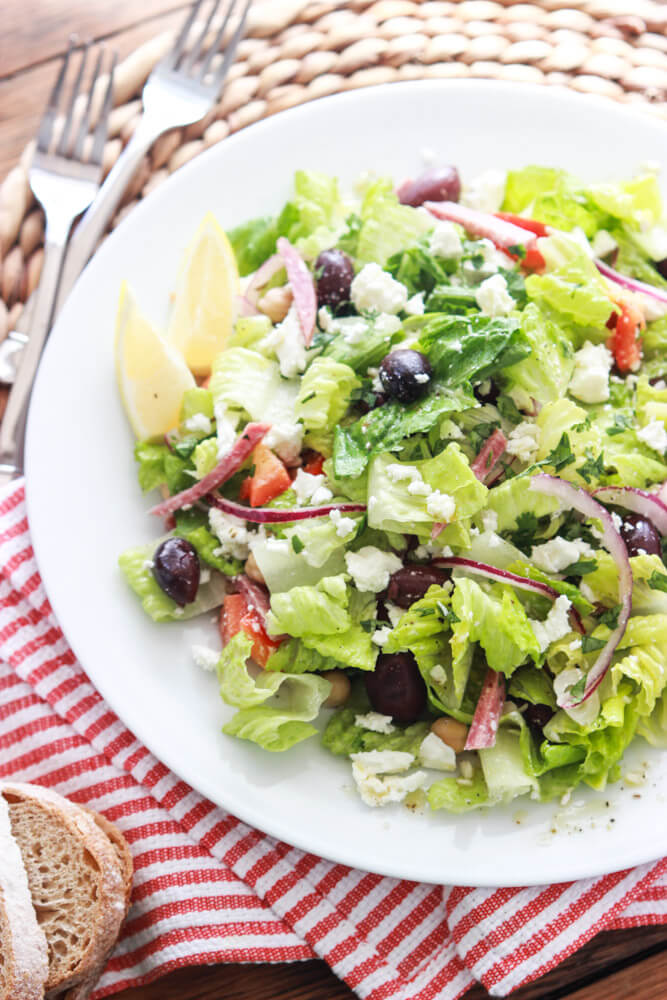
(658, 581)
(593, 468)
(577, 690)
(580, 568)
(561, 455)
(591, 645)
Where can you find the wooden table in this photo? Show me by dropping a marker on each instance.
(615, 965)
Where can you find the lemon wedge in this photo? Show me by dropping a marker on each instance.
(151, 374)
(204, 302)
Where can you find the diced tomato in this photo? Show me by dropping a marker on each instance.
(625, 342)
(532, 259)
(244, 492)
(236, 615)
(314, 463)
(270, 478)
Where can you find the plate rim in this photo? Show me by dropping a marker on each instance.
(274, 827)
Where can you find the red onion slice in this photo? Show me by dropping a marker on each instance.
(262, 275)
(649, 505)
(245, 307)
(503, 234)
(633, 284)
(504, 576)
(272, 515)
(578, 499)
(303, 288)
(484, 726)
(223, 471)
(491, 451)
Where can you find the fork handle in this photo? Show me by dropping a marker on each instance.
(12, 429)
(94, 222)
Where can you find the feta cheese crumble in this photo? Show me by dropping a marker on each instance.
(493, 298)
(375, 289)
(524, 441)
(205, 658)
(445, 241)
(397, 472)
(654, 435)
(381, 635)
(489, 520)
(441, 506)
(376, 722)
(231, 532)
(344, 525)
(558, 553)
(285, 439)
(379, 791)
(286, 340)
(370, 568)
(435, 754)
(305, 485)
(556, 624)
(590, 379)
(198, 422)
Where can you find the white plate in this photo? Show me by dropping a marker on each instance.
(85, 506)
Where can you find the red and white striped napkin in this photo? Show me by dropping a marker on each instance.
(210, 889)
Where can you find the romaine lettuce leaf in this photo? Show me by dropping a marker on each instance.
(319, 610)
(246, 381)
(324, 394)
(571, 285)
(465, 348)
(272, 727)
(384, 428)
(387, 226)
(459, 796)
(645, 600)
(158, 465)
(343, 737)
(654, 728)
(497, 620)
(545, 374)
(393, 508)
(193, 526)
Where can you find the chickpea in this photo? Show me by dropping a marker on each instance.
(340, 688)
(275, 304)
(252, 570)
(451, 732)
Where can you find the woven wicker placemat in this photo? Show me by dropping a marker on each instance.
(297, 51)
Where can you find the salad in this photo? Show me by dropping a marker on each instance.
(416, 455)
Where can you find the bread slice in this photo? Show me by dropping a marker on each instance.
(83, 989)
(76, 881)
(24, 961)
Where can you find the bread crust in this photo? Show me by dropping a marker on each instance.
(22, 940)
(112, 884)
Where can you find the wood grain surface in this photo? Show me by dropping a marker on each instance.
(615, 965)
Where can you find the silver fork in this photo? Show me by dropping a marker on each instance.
(64, 180)
(181, 90)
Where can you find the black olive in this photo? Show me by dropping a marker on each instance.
(406, 374)
(176, 569)
(638, 533)
(410, 583)
(537, 716)
(396, 687)
(436, 184)
(333, 275)
(490, 394)
(661, 266)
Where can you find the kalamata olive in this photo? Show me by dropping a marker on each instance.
(176, 569)
(638, 534)
(661, 267)
(537, 716)
(435, 184)
(410, 583)
(405, 374)
(487, 392)
(334, 272)
(396, 687)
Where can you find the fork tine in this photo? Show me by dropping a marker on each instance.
(100, 133)
(61, 149)
(45, 132)
(230, 48)
(77, 152)
(176, 50)
(214, 47)
(195, 51)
